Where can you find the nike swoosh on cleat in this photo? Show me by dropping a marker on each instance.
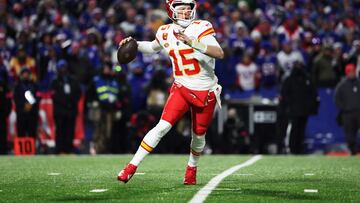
(121, 172)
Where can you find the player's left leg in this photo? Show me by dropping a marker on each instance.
(201, 119)
(174, 109)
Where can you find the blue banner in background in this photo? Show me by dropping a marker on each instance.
(323, 133)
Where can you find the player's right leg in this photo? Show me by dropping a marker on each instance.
(174, 109)
(201, 119)
(196, 147)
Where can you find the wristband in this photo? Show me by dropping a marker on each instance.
(198, 46)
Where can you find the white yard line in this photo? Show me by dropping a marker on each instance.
(54, 174)
(99, 190)
(202, 194)
(311, 190)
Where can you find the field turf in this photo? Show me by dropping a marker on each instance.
(159, 179)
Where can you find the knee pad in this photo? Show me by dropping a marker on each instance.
(154, 136)
(162, 127)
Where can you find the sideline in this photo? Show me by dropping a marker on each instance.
(202, 194)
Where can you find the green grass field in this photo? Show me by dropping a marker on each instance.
(271, 179)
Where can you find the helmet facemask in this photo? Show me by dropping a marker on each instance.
(181, 15)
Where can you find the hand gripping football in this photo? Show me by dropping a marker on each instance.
(127, 51)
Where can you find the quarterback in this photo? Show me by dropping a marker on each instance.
(192, 48)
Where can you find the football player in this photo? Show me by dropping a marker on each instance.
(192, 48)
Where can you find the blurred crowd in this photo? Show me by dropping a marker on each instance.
(66, 50)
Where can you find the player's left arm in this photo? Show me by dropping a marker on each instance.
(206, 45)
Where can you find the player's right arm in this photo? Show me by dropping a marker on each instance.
(145, 47)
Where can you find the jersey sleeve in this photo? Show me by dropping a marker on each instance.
(162, 34)
(158, 34)
(210, 40)
(204, 28)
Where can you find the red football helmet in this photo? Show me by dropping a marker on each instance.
(173, 15)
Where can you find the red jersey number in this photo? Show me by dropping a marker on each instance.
(191, 65)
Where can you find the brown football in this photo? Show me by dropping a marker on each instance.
(127, 52)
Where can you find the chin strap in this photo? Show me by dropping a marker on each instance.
(183, 23)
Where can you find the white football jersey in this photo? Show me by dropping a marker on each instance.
(247, 75)
(286, 61)
(191, 68)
